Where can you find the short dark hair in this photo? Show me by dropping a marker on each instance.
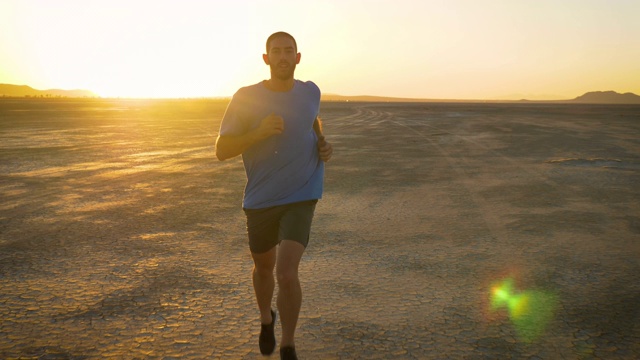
(281, 34)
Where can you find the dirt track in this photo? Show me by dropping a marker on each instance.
(122, 237)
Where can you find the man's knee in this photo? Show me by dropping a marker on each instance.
(288, 261)
(287, 276)
(264, 263)
(263, 270)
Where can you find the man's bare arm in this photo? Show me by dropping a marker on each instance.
(325, 149)
(229, 146)
(317, 127)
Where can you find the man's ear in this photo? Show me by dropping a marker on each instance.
(298, 56)
(265, 58)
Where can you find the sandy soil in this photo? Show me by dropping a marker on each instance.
(122, 237)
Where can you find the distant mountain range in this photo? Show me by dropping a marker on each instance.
(27, 91)
(594, 97)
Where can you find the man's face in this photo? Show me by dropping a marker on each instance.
(282, 58)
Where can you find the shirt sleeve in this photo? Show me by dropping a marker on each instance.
(232, 122)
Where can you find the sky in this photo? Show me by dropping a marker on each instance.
(436, 49)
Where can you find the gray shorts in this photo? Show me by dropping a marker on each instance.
(267, 227)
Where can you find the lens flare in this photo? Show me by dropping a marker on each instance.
(530, 311)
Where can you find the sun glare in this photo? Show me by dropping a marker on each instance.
(137, 50)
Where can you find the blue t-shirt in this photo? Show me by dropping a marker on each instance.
(284, 168)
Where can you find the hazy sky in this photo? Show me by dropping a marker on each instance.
(463, 49)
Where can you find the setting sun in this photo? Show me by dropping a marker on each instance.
(129, 51)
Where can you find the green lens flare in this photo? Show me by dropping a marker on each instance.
(530, 311)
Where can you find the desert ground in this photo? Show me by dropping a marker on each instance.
(122, 237)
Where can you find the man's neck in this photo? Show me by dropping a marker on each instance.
(275, 84)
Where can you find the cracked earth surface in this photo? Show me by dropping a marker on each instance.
(122, 237)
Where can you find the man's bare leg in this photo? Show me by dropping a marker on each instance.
(289, 298)
(263, 282)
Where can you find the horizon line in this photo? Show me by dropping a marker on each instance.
(60, 93)
(345, 98)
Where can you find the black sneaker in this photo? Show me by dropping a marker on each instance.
(288, 353)
(267, 336)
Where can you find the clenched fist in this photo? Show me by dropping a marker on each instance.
(271, 125)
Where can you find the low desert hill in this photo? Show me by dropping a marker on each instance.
(27, 91)
(608, 97)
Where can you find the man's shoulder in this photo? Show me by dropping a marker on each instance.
(249, 90)
(309, 86)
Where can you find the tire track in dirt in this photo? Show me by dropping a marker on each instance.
(484, 208)
(439, 131)
(368, 117)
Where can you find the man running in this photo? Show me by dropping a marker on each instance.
(274, 125)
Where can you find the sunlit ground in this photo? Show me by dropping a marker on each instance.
(446, 231)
